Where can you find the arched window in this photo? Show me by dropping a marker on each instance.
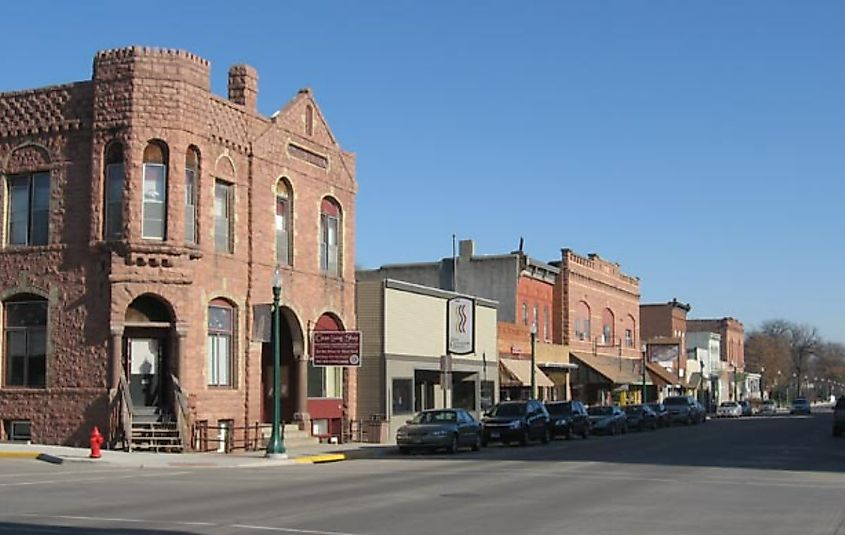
(221, 350)
(283, 220)
(192, 173)
(608, 328)
(330, 237)
(25, 326)
(115, 177)
(582, 321)
(154, 207)
(309, 120)
(630, 329)
(525, 314)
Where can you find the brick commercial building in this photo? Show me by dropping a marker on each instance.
(597, 316)
(663, 327)
(143, 219)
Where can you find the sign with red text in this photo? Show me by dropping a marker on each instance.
(336, 348)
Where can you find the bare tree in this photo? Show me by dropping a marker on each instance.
(801, 341)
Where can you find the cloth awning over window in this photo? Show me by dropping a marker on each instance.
(520, 372)
(617, 370)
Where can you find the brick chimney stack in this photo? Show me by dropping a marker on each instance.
(243, 86)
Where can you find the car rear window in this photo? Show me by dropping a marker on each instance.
(559, 408)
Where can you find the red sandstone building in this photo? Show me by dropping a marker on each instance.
(143, 219)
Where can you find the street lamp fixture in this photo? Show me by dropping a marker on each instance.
(276, 446)
(533, 359)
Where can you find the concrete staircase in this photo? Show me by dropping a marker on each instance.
(155, 431)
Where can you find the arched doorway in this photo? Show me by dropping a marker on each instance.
(147, 353)
(291, 351)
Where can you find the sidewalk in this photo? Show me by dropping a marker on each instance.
(312, 454)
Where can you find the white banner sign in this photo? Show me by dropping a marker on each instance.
(460, 326)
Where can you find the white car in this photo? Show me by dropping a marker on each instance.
(729, 409)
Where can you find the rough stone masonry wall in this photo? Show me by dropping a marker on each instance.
(137, 95)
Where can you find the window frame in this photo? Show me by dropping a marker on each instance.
(26, 330)
(230, 213)
(191, 200)
(334, 269)
(284, 251)
(213, 336)
(29, 221)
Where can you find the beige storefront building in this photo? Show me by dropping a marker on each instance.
(403, 328)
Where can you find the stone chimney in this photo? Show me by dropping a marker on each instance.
(243, 86)
(466, 249)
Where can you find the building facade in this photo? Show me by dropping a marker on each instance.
(663, 330)
(523, 289)
(143, 220)
(732, 334)
(404, 330)
(598, 318)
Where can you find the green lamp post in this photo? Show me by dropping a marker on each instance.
(276, 446)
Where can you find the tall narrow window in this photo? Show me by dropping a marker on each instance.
(525, 314)
(26, 341)
(221, 320)
(330, 237)
(309, 120)
(547, 333)
(223, 242)
(114, 192)
(29, 209)
(154, 208)
(582, 321)
(536, 319)
(282, 224)
(192, 170)
(607, 327)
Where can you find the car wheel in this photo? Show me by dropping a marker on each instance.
(453, 446)
(568, 434)
(477, 444)
(586, 433)
(523, 440)
(547, 436)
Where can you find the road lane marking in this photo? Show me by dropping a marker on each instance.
(183, 523)
(289, 530)
(86, 479)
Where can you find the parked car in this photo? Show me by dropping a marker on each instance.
(800, 406)
(568, 418)
(440, 428)
(839, 417)
(640, 417)
(768, 408)
(662, 414)
(684, 409)
(606, 419)
(702, 411)
(516, 421)
(729, 409)
(746, 408)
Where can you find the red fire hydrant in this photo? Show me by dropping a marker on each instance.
(96, 442)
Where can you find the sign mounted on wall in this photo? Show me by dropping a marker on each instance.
(460, 326)
(336, 348)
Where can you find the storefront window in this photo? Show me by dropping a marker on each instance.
(463, 395)
(325, 382)
(402, 396)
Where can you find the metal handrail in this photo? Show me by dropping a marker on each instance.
(183, 416)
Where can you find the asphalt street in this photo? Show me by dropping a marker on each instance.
(775, 475)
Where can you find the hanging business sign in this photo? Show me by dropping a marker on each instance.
(336, 348)
(460, 326)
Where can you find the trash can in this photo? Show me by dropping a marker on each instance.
(377, 431)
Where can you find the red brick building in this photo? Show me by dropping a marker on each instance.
(663, 327)
(598, 317)
(143, 219)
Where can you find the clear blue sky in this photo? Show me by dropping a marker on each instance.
(699, 144)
